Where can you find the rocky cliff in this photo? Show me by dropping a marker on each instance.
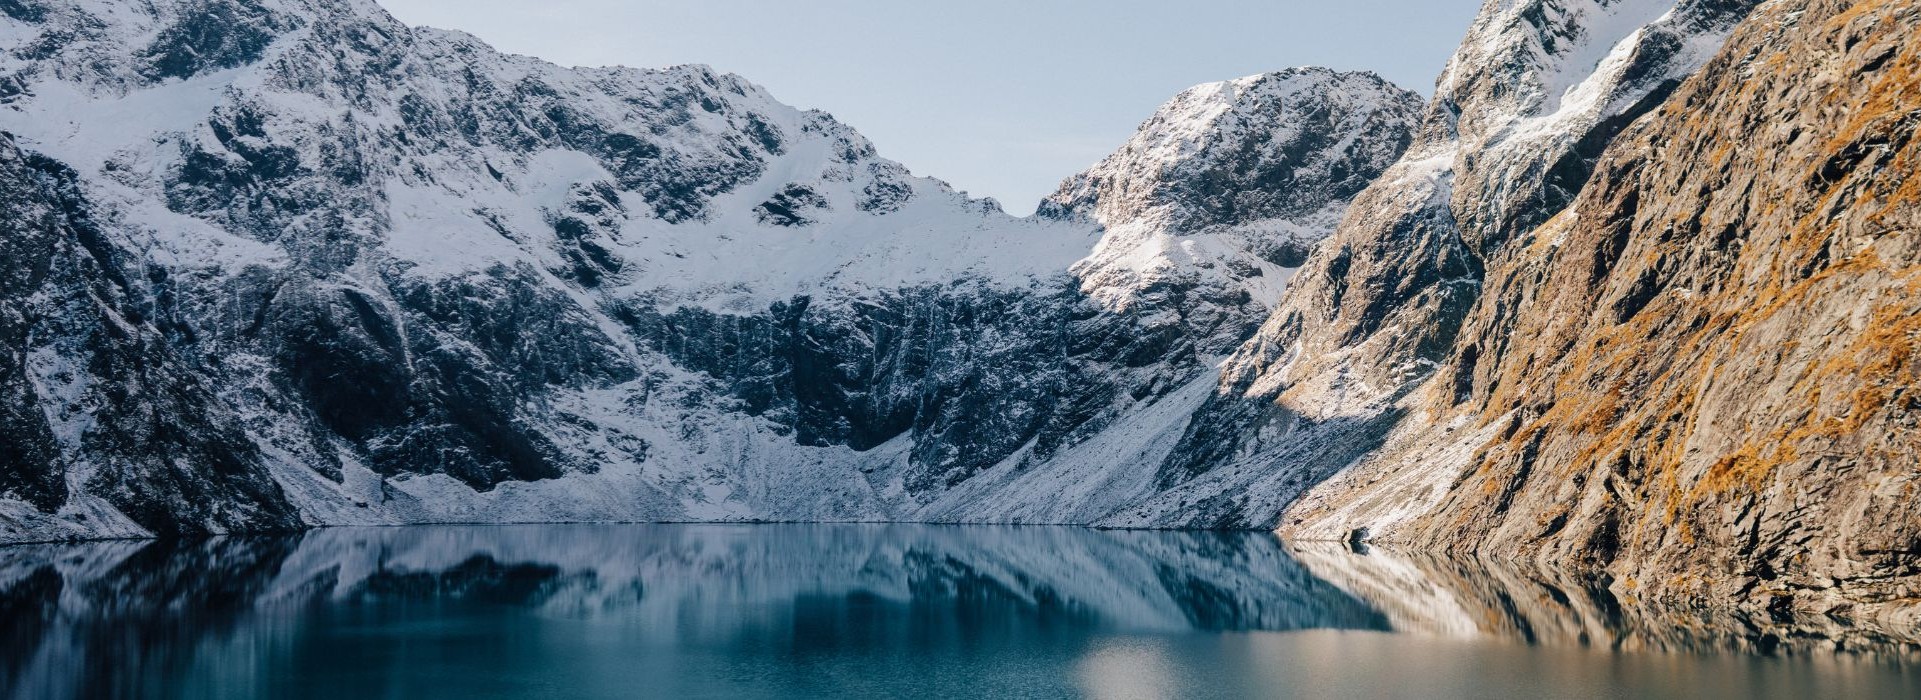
(1698, 376)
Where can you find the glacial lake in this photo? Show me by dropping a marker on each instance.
(857, 611)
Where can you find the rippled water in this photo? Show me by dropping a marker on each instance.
(891, 611)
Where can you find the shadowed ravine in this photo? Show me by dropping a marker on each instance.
(799, 610)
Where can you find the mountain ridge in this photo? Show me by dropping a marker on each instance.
(435, 283)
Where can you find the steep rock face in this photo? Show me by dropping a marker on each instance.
(1700, 375)
(971, 377)
(103, 425)
(1537, 89)
(424, 281)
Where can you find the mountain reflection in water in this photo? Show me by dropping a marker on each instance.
(849, 610)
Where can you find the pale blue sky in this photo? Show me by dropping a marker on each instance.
(1002, 98)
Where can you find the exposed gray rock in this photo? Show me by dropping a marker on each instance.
(105, 424)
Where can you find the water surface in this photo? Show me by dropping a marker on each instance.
(785, 611)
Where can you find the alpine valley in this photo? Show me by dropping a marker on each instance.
(1636, 294)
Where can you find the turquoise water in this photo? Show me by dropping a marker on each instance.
(800, 611)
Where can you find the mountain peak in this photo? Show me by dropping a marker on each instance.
(1284, 144)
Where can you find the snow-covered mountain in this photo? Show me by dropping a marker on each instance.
(1220, 195)
(289, 262)
(1633, 295)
